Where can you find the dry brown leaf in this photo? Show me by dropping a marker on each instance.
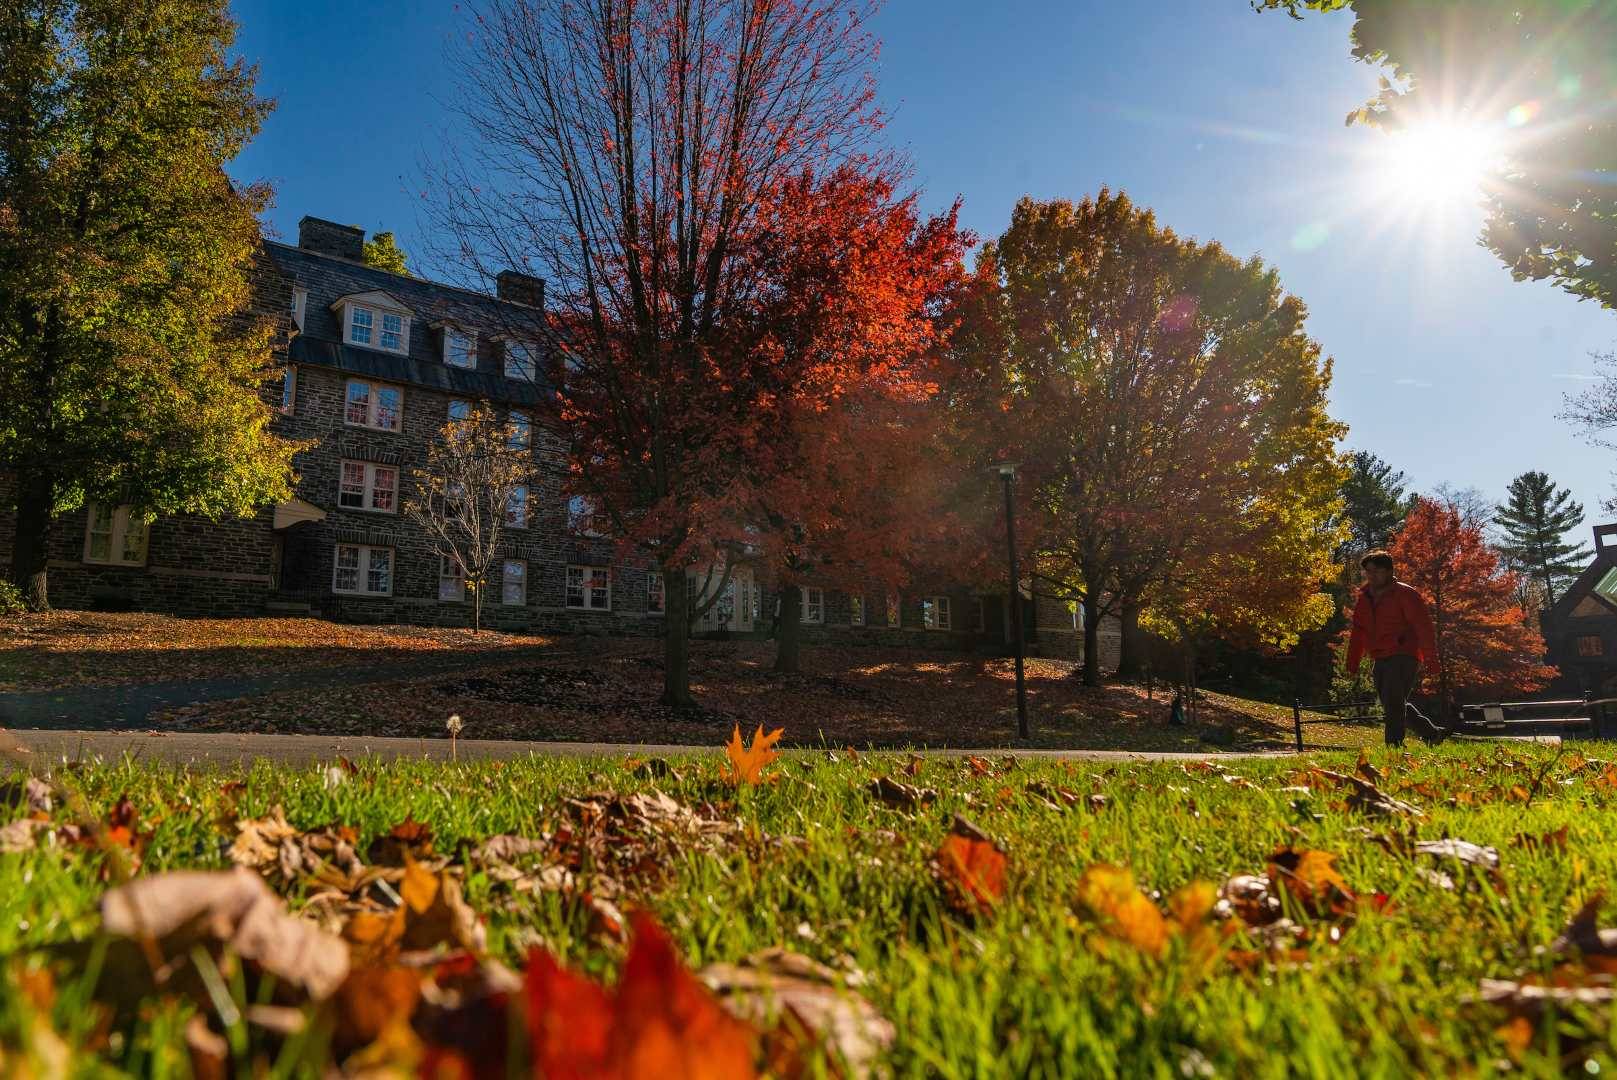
(209, 1053)
(21, 835)
(233, 909)
(1122, 910)
(798, 1003)
(900, 795)
(972, 868)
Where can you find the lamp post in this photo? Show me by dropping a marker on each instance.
(1007, 473)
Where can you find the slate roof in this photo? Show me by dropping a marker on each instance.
(326, 278)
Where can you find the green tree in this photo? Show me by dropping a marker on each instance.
(129, 369)
(1373, 503)
(1535, 521)
(383, 252)
(1544, 72)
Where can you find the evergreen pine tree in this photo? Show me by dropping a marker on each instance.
(1534, 522)
(1373, 502)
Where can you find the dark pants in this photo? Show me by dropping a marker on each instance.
(1395, 679)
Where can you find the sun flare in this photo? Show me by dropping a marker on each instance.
(1436, 164)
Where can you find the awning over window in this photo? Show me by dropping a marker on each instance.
(295, 512)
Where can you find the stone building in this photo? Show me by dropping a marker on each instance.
(373, 365)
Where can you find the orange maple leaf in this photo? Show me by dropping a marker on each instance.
(747, 763)
(976, 867)
(659, 1021)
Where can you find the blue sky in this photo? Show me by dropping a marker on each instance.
(1228, 123)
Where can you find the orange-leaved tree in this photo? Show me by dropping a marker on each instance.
(633, 154)
(1485, 641)
(841, 475)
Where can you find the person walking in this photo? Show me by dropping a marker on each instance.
(1391, 623)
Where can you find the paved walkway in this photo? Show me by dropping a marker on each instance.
(111, 707)
(186, 747)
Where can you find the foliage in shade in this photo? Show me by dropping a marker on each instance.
(1546, 71)
(1169, 414)
(1535, 522)
(383, 252)
(642, 185)
(1485, 641)
(130, 370)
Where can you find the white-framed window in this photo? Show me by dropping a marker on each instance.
(581, 516)
(373, 405)
(451, 581)
(378, 328)
(656, 603)
(979, 614)
(935, 612)
(813, 605)
(289, 389)
(114, 536)
(363, 570)
(520, 427)
(300, 304)
(589, 588)
(516, 507)
(895, 609)
(519, 360)
(364, 486)
(513, 583)
(459, 411)
(460, 349)
(856, 610)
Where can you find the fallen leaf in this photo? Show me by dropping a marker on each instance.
(972, 867)
(21, 835)
(226, 909)
(1123, 911)
(1310, 877)
(747, 763)
(898, 794)
(370, 999)
(799, 1003)
(1517, 1035)
(1461, 851)
(659, 1020)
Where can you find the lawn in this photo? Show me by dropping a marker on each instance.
(1317, 916)
(62, 649)
(607, 690)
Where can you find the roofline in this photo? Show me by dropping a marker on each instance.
(402, 277)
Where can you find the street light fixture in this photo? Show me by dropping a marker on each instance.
(1007, 473)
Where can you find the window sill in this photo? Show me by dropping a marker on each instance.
(366, 427)
(377, 348)
(367, 510)
(363, 595)
(115, 562)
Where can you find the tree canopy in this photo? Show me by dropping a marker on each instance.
(1161, 396)
(383, 252)
(129, 368)
(1373, 502)
(1541, 72)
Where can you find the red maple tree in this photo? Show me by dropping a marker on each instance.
(638, 155)
(1485, 640)
(844, 474)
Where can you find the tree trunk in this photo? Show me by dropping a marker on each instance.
(789, 644)
(36, 499)
(676, 639)
(1132, 659)
(1091, 644)
(477, 607)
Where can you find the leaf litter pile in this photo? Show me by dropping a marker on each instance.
(744, 912)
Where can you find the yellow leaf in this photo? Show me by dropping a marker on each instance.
(1122, 909)
(747, 763)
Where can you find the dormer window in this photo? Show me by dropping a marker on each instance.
(374, 320)
(460, 349)
(300, 302)
(519, 361)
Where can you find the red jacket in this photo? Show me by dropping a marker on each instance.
(1396, 623)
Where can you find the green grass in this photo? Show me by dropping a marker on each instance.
(1035, 989)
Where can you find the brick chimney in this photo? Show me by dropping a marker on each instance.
(520, 288)
(329, 238)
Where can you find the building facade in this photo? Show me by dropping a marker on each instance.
(373, 365)
(1580, 628)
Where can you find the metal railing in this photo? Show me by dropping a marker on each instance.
(1360, 710)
